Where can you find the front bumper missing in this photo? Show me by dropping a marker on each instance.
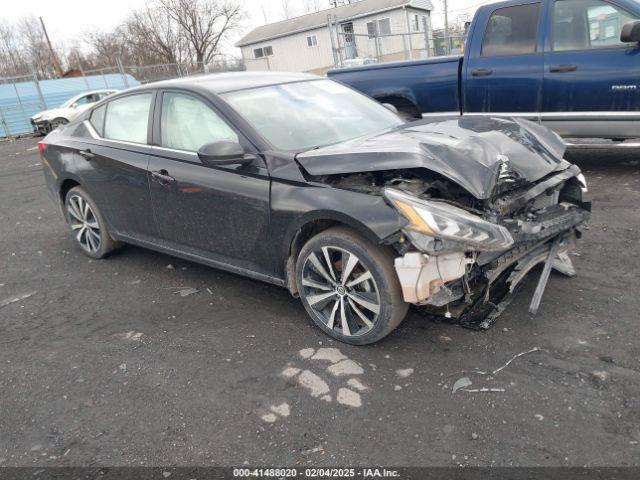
(476, 289)
(41, 126)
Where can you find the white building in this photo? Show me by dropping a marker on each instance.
(385, 30)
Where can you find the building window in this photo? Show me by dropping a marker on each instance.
(416, 23)
(384, 26)
(263, 52)
(312, 41)
(379, 27)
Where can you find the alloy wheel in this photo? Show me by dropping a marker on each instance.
(84, 223)
(341, 291)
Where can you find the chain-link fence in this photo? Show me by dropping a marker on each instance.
(24, 96)
(378, 42)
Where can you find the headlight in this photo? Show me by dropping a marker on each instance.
(583, 183)
(440, 220)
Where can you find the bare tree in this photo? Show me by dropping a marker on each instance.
(286, 8)
(11, 62)
(312, 6)
(34, 46)
(203, 23)
(155, 35)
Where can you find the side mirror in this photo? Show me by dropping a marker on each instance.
(390, 107)
(630, 32)
(222, 153)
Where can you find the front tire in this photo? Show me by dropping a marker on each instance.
(349, 287)
(87, 224)
(56, 122)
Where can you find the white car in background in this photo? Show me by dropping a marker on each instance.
(47, 120)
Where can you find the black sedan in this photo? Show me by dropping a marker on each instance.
(304, 183)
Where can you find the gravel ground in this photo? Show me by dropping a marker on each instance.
(103, 363)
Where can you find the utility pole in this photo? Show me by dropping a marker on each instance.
(54, 57)
(447, 43)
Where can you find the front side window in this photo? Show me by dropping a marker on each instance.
(302, 115)
(587, 24)
(512, 31)
(83, 100)
(127, 118)
(188, 123)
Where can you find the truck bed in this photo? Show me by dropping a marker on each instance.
(403, 83)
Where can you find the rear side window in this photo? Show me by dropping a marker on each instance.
(97, 119)
(512, 31)
(587, 24)
(127, 118)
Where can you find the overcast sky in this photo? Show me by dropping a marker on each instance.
(69, 19)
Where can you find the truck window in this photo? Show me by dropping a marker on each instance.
(587, 24)
(512, 31)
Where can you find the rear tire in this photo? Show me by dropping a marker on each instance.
(87, 224)
(360, 309)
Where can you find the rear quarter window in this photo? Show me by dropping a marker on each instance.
(97, 119)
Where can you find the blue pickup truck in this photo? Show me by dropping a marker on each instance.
(573, 65)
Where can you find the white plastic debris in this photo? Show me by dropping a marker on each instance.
(187, 291)
(461, 383)
(15, 299)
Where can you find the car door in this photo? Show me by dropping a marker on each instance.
(116, 161)
(591, 78)
(218, 213)
(503, 72)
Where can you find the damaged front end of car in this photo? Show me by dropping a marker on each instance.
(485, 201)
(467, 266)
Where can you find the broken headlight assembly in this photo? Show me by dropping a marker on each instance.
(440, 220)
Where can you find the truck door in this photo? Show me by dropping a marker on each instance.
(591, 79)
(503, 72)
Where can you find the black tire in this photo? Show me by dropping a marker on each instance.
(98, 237)
(383, 286)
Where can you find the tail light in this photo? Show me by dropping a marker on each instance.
(42, 147)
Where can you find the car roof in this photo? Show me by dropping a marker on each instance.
(232, 81)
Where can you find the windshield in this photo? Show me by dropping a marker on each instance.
(300, 116)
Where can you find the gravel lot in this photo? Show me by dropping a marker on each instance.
(103, 363)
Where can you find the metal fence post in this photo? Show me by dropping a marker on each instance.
(3, 121)
(24, 114)
(427, 43)
(121, 69)
(43, 104)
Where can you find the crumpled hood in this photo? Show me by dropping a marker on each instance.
(472, 151)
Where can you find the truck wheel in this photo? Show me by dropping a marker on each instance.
(349, 287)
(87, 224)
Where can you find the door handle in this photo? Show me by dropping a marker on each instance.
(163, 177)
(87, 154)
(563, 68)
(481, 72)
